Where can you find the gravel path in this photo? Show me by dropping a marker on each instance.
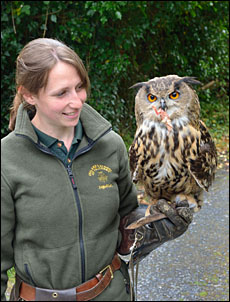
(193, 267)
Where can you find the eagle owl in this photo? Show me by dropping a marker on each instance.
(173, 154)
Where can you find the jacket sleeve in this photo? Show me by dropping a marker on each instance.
(7, 234)
(127, 190)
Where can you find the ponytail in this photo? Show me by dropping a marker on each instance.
(18, 100)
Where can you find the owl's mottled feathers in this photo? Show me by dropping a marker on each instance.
(173, 162)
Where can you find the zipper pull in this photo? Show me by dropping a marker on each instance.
(71, 177)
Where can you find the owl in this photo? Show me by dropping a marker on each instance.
(172, 155)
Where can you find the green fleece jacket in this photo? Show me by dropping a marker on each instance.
(59, 224)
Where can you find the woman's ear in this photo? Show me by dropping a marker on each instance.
(28, 96)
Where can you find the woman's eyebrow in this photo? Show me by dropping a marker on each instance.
(64, 88)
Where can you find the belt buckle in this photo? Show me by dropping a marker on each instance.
(105, 268)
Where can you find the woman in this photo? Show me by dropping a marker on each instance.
(66, 186)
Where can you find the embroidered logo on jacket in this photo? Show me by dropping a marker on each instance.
(101, 172)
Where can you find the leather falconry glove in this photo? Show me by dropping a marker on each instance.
(153, 234)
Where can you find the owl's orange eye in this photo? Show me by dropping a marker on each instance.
(174, 95)
(151, 98)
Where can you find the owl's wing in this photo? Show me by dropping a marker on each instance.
(203, 168)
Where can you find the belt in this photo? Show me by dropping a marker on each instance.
(84, 292)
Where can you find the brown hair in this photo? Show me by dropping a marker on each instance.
(33, 65)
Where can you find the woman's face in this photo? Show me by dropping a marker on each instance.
(59, 104)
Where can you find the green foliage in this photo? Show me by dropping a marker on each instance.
(216, 117)
(11, 273)
(123, 42)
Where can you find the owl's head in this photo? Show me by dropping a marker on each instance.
(171, 93)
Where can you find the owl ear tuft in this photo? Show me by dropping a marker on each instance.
(138, 85)
(187, 80)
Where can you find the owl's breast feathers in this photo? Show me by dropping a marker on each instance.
(181, 160)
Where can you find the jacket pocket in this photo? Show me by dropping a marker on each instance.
(27, 271)
(58, 268)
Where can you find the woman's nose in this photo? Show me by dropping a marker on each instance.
(75, 99)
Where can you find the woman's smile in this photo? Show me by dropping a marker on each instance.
(71, 115)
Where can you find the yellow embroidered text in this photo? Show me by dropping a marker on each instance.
(105, 186)
(99, 167)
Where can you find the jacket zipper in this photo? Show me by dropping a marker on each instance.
(73, 183)
(82, 249)
(70, 173)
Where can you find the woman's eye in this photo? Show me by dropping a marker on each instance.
(151, 98)
(61, 93)
(79, 87)
(174, 95)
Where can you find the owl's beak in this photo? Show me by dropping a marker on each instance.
(163, 104)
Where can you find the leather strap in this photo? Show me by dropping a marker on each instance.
(84, 292)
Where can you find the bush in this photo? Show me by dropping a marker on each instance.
(124, 42)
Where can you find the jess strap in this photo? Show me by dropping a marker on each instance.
(84, 292)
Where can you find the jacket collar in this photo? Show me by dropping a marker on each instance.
(93, 123)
